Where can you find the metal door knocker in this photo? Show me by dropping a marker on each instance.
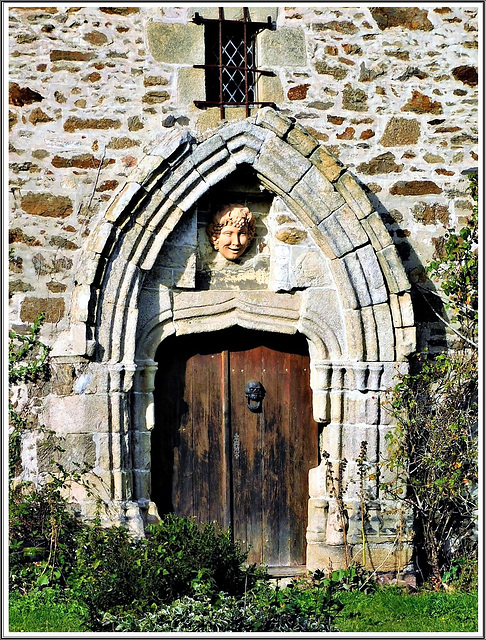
(254, 393)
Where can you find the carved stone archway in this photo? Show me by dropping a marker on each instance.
(360, 328)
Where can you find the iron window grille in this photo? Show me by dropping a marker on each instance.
(230, 68)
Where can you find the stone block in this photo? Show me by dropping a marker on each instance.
(344, 284)
(402, 310)
(400, 132)
(385, 332)
(354, 334)
(147, 171)
(308, 268)
(190, 86)
(99, 239)
(124, 200)
(170, 143)
(321, 407)
(242, 133)
(332, 441)
(73, 452)
(371, 267)
(406, 342)
(302, 141)
(354, 195)
(376, 231)
(273, 162)
(321, 309)
(336, 236)
(317, 515)
(80, 300)
(274, 121)
(327, 164)
(370, 334)
(321, 556)
(393, 270)
(270, 89)
(358, 278)
(52, 308)
(87, 413)
(316, 195)
(284, 47)
(173, 43)
(217, 169)
(386, 557)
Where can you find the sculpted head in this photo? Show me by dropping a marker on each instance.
(231, 230)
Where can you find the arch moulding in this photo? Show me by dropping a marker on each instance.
(359, 327)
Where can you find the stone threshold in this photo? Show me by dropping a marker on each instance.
(287, 572)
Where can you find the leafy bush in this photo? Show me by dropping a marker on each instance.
(116, 572)
(299, 607)
(42, 529)
(435, 441)
(42, 536)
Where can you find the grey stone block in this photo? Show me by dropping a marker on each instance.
(173, 43)
(393, 270)
(357, 278)
(284, 47)
(373, 274)
(275, 158)
(316, 195)
(354, 195)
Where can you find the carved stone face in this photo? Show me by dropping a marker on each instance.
(231, 230)
(232, 241)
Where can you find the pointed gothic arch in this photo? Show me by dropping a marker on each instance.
(360, 331)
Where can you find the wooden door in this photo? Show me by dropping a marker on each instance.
(215, 459)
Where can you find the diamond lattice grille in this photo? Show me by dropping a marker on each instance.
(233, 55)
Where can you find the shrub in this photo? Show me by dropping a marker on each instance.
(115, 572)
(435, 442)
(42, 536)
(299, 607)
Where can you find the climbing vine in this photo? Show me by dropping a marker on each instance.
(435, 406)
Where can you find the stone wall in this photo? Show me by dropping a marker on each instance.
(391, 91)
(103, 128)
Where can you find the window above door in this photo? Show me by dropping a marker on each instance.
(231, 73)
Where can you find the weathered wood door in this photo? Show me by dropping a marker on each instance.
(214, 458)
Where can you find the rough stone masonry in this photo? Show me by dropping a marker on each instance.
(379, 107)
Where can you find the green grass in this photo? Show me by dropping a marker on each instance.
(391, 610)
(388, 610)
(43, 611)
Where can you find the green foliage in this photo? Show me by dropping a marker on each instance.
(27, 355)
(435, 444)
(44, 610)
(301, 606)
(41, 527)
(457, 271)
(462, 574)
(27, 364)
(42, 536)
(391, 610)
(116, 572)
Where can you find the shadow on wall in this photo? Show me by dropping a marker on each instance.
(427, 307)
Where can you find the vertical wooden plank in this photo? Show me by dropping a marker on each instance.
(304, 451)
(226, 463)
(246, 453)
(200, 411)
(275, 382)
(217, 459)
